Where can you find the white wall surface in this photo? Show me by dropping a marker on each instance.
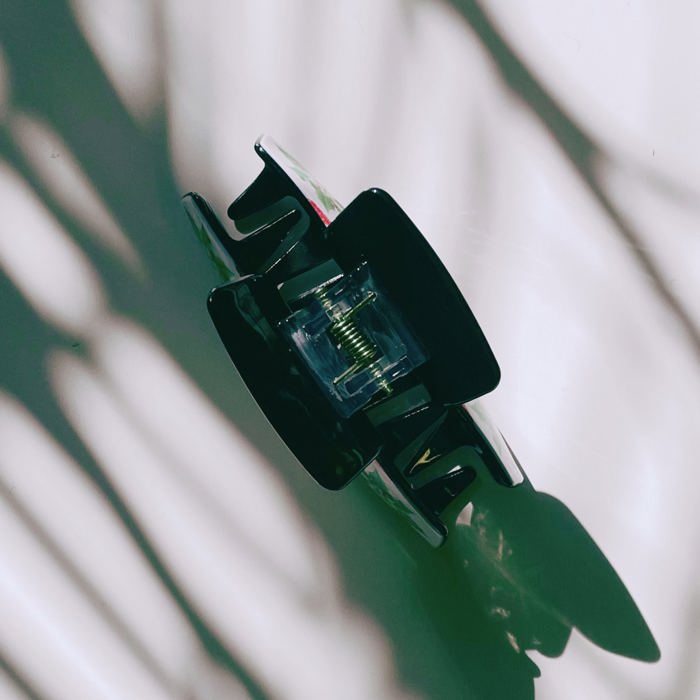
(157, 538)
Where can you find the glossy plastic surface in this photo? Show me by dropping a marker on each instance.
(331, 448)
(353, 339)
(375, 228)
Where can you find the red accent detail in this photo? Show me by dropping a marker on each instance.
(320, 212)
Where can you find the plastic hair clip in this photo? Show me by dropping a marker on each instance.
(355, 341)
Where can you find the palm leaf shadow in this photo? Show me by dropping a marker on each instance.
(578, 146)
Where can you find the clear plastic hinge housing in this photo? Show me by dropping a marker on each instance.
(352, 339)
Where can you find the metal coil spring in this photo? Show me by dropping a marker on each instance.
(361, 352)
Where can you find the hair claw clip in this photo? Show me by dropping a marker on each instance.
(355, 341)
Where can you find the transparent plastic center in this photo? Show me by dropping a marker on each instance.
(353, 340)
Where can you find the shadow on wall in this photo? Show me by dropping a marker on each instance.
(521, 572)
(584, 154)
(524, 572)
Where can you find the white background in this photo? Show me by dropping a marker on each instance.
(145, 499)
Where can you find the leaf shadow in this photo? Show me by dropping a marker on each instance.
(580, 148)
(57, 78)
